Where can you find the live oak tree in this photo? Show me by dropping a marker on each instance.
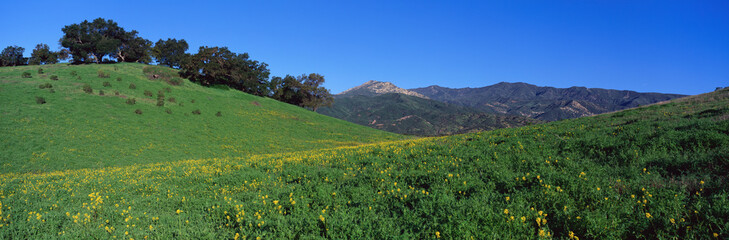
(304, 91)
(170, 52)
(92, 41)
(218, 65)
(12, 56)
(42, 54)
(134, 48)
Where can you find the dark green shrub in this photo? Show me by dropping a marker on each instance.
(40, 70)
(102, 74)
(160, 98)
(74, 73)
(118, 79)
(192, 101)
(54, 77)
(101, 92)
(45, 85)
(40, 100)
(52, 91)
(132, 86)
(26, 75)
(138, 111)
(148, 93)
(218, 114)
(168, 111)
(116, 93)
(87, 88)
(78, 77)
(107, 84)
(131, 101)
(171, 99)
(196, 112)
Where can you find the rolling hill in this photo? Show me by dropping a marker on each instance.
(543, 103)
(412, 115)
(72, 129)
(657, 171)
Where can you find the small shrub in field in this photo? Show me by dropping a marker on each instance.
(116, 68)
(78, 77)
(148, 93)
(181, 104)
(132, 86)
(160, 99)
(176, 81)
(116, 93)
(40, 70)
(87, 88)
(40, 100)
(192, 101)
(138, 111)
(101, 92)
(196, 112)
(218, 114)
(107, 84)
(168, 111)
(74, 73)
(52, 91)
(171, 99)
(26, 75)
(45, 85)
(54, 77)
(102, 74)
(118, 79)
(131, 101)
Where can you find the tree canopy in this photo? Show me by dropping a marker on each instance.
(42, 54)
(170, 52)
(92, 41)
(12, 56)
(218, 65)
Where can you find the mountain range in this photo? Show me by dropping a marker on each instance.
(436, 110)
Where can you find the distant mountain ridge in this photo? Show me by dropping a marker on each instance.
(374, 88)
(543, 103)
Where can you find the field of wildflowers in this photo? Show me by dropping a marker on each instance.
(657, 172)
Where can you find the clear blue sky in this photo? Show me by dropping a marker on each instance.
(648, 46)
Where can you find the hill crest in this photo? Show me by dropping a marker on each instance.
(374, 88)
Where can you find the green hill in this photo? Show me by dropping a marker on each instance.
(404, 114)
(658, 171)
(74, 129)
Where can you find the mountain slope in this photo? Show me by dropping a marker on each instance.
(412, 115)
(543, 103)
(374, 88)
(74, 129)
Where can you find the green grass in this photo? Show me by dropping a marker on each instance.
(78, 130)
(657, 172)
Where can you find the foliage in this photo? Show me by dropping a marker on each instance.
(106, 84)
(170, 52)
(160, 99)
(102, 74)
(12, 56)
(218, 65)
(148, 93)
(40, 100)
(87, 88)
(218, 114)
(45, 85)
(131, 101)
(101, 92)
(132, 86)
(304, 91)
(138, 111)
(26, 75)
(42, 54)
(196, 111)
(40, 70)
(54, 77)
(92, 41)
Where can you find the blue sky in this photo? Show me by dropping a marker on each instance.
(647, 46)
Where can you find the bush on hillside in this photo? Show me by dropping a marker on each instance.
(45, 85)
(196, 112)
(131, 101)
(101, 92)
(118, 79)
(87, 88)
(219, 114)
(168, 111)
(26, 75)
(107, 84)
(74, 73)
(138, 111)
(40, 70)
(132, 86)
(172, 100)
(40, 100)
(54, 77)
(148, 93)
(102, 74)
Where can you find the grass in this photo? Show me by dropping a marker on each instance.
(74, 130)
(659, 171)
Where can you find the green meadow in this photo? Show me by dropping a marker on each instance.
(87, 166)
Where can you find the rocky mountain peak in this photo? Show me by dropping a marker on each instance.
(374, 88)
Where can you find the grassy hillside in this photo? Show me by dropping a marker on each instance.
(74, 129)
(400, 113)
(653, 172)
